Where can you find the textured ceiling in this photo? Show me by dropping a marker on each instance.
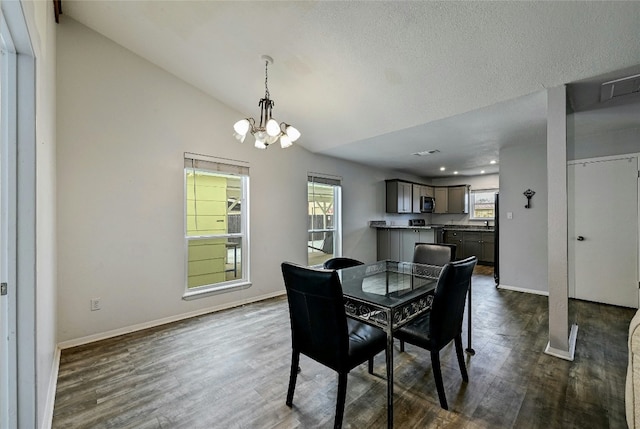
(376, 81)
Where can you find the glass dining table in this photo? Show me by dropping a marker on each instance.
(388, 294)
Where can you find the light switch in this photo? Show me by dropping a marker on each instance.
(509, 215)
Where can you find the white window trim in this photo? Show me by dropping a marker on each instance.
(472, 200)
(231, 167)
(335, 181)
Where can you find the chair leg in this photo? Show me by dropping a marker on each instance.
(401, 345)
(293, 375)
(342, 396)
(371, 365)
(463, 368)
(437, 376)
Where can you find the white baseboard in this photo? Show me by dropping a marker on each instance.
(565, 354)
(521, 289)
(47, 419)
(140, 326)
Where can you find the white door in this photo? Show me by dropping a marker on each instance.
(603, 231)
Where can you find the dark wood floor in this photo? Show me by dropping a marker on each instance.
(230, 370)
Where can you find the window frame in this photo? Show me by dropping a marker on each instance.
(472, 203)
(336, 182)
(220, 167)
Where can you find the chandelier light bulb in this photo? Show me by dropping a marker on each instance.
(285, 141)
(262, 136)
(273, 129)
(241, 127)
(260, 143)
(293, 133)
(240, 137)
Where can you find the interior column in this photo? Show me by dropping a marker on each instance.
(561, 341)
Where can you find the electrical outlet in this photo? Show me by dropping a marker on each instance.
(95, 304)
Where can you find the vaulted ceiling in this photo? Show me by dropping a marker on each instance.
(375, 82)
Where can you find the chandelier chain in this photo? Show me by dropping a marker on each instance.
(266, 78)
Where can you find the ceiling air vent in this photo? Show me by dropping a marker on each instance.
(426, 152)
(620, 87)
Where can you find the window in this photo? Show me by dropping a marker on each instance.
(324, 219)
(216, 213)
(483, 204)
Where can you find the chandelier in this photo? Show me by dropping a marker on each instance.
(268, 131)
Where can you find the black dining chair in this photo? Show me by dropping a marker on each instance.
(340, 263)
(437, 328)
(434, 254)
(321, 330)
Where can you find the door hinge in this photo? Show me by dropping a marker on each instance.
(3, 288)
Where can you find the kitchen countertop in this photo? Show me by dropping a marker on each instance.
(474, 228)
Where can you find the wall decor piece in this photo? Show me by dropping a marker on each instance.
(529, 193)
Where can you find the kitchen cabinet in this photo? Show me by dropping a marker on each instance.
(388, 244)
(488, 249)
(454, 237)
(399, 196)
(452, 199)
(441, 196)
(420, 191)
(397, 244)
(458, 199)
(472, 243)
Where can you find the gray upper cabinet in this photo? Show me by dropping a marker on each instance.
(420, 191)
(441, 196)
(399, 196)
(458, 199)
(452, 199)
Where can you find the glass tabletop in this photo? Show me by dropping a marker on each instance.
(389, 283)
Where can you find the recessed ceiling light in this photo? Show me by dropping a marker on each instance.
(481, 171)
(493, 161)
(426, 152)
(442, 168)
(455, 172)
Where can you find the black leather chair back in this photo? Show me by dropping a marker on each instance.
(434, 254)
(340, 263)
(447, 310)
(318, 319)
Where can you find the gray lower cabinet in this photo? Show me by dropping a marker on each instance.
(472, 243)
(397, 244)
(454, 237)
(488, 249)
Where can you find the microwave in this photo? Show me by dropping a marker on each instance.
(427, 204)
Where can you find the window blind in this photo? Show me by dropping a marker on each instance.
(220, 166)
(325, 180)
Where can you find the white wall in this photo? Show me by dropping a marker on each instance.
(616, 142)
(123, 126)
(523, 242)
(523, 239)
